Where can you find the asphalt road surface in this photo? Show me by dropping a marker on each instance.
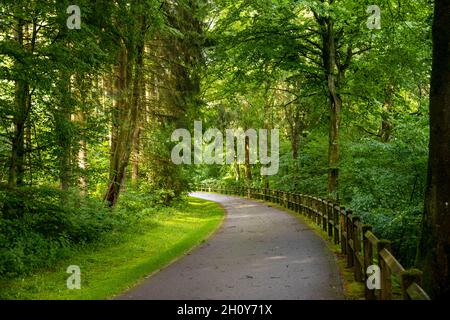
(259, 253)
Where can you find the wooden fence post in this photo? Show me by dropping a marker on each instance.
(285, 199)
(336, 220)
(368, 261)
(300, 209)
(287, 195)
(317, 209)
(344, 236)
(407, 279)
(292, 201)
(305, 205)
(296, 202)
(323, 209)
(357, 249)
(386, 283)
(330, 214)
(350, 245)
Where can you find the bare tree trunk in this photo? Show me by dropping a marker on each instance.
(434, 247)
(22, 92)
(334, 69)
(65, 152)
(82, 165)
(335, 107)
(135, 157)
(295, 145)
(82, 155)
(63, 121)
(237, 171)
(248, 166)
(28, 146)
(386, 124)
(116, 170)
(128, 91)
(334, 148)
(296, 131)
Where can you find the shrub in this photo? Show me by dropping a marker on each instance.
(40, 225)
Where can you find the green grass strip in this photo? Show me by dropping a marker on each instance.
(126, 258)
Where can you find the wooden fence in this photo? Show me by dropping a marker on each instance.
(357, 242)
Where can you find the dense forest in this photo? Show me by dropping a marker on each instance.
(91, 94)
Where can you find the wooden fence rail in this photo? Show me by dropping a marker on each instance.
(357, 242)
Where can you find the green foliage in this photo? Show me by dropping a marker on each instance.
(255, 64)
(384, 183)
(307, 174)
(38, 226)
(124, 257)
(266, 71)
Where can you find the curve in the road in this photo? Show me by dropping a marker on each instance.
(259, 253)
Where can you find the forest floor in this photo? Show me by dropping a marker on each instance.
(125, 259)
(260, 252)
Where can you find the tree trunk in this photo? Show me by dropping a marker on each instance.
(116, 169)
(82, 155)
(135, 157)
(28, 145)
(63, 122)
(333, 76)
(333, 147)
(295, 130)
(248, 166)
(128, 91)
(22, 92)
(65, 149)
(434, 247)
(386, 124)
(295, 141)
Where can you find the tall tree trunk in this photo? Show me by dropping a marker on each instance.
(386, 124)
(267, 124)
(295, 141)
(139, 96)
(248, 166)
(434, 247)
(128, 91)
(334, 149)
(135, 157)
(116, 170)
(297, 128)
(82, 155)
(29, 146)
(63, 123)
(333, 76)
(22, 92)
(237, 171)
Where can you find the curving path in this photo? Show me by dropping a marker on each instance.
(259, 253)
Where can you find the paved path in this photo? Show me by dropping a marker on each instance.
(259, 253)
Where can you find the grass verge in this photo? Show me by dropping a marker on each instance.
(123, 260)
